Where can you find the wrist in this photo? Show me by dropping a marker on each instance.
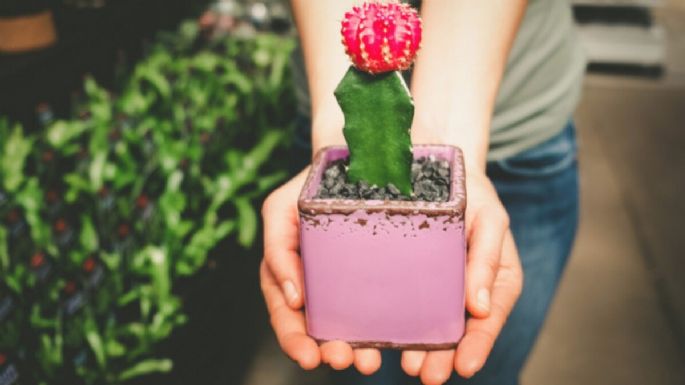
(327, 126)
(470, 135)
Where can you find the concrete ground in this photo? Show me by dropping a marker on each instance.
(619, 317)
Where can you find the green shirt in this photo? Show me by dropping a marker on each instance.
(541, 83)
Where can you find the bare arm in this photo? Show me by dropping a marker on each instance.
(456, 78)
(458, 71)
(318, 23)
(465, 47)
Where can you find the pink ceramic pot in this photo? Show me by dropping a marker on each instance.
(386, 274)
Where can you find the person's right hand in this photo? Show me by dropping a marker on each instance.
(282, 284)
(494, 280)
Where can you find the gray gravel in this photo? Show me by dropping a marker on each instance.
(430, 180)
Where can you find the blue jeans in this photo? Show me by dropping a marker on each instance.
(539, 189)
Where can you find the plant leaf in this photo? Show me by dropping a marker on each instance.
(97, 170)
(13, 159)
(4, 255)
(95, 341)
(247, 222)
(61, 132)
(89, 237)
(31, 199)
(146, 367)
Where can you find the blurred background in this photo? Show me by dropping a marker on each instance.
(138, 138)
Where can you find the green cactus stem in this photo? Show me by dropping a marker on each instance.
(378, 113)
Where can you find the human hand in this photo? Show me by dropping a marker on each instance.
(494, 280)
(282, 284)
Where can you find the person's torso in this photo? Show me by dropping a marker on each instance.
(542, 81)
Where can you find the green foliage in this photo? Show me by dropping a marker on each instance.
(13, 158)
(378, 114)
(101, 214)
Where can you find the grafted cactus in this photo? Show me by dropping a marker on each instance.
(380, 39)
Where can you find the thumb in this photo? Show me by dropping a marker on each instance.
(281, 240)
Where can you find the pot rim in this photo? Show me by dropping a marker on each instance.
(453, 207)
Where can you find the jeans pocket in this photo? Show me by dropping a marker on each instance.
(548, 158)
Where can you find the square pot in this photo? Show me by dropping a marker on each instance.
(384, 274)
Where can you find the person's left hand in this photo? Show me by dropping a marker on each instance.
(494, 280)
(282, 284)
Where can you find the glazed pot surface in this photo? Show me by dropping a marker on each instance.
(384, 273)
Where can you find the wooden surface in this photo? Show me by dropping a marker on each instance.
(27, 33)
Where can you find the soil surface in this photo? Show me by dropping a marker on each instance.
(430, 180)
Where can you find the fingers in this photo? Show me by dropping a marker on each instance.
(412, 361)
(367, 361)
(434, 367)
(281, 240)
(485, 246)
(437, 367)
(288, 324)
(481, 333)
(282, 285)
(337, 354)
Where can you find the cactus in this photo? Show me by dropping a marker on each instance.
(378, 113)
(380, 39)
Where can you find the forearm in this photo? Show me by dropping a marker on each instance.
(318, 23)
(458, 71)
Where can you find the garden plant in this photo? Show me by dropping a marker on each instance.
(101, 215)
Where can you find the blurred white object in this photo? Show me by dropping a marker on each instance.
(228, 7)
(85, 3)
(616, 37)
(624, 44)
(259, 14)
(618, 3)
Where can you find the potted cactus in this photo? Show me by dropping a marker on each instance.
(382, 221)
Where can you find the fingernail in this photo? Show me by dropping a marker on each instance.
(483, 299)
(290, 292)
